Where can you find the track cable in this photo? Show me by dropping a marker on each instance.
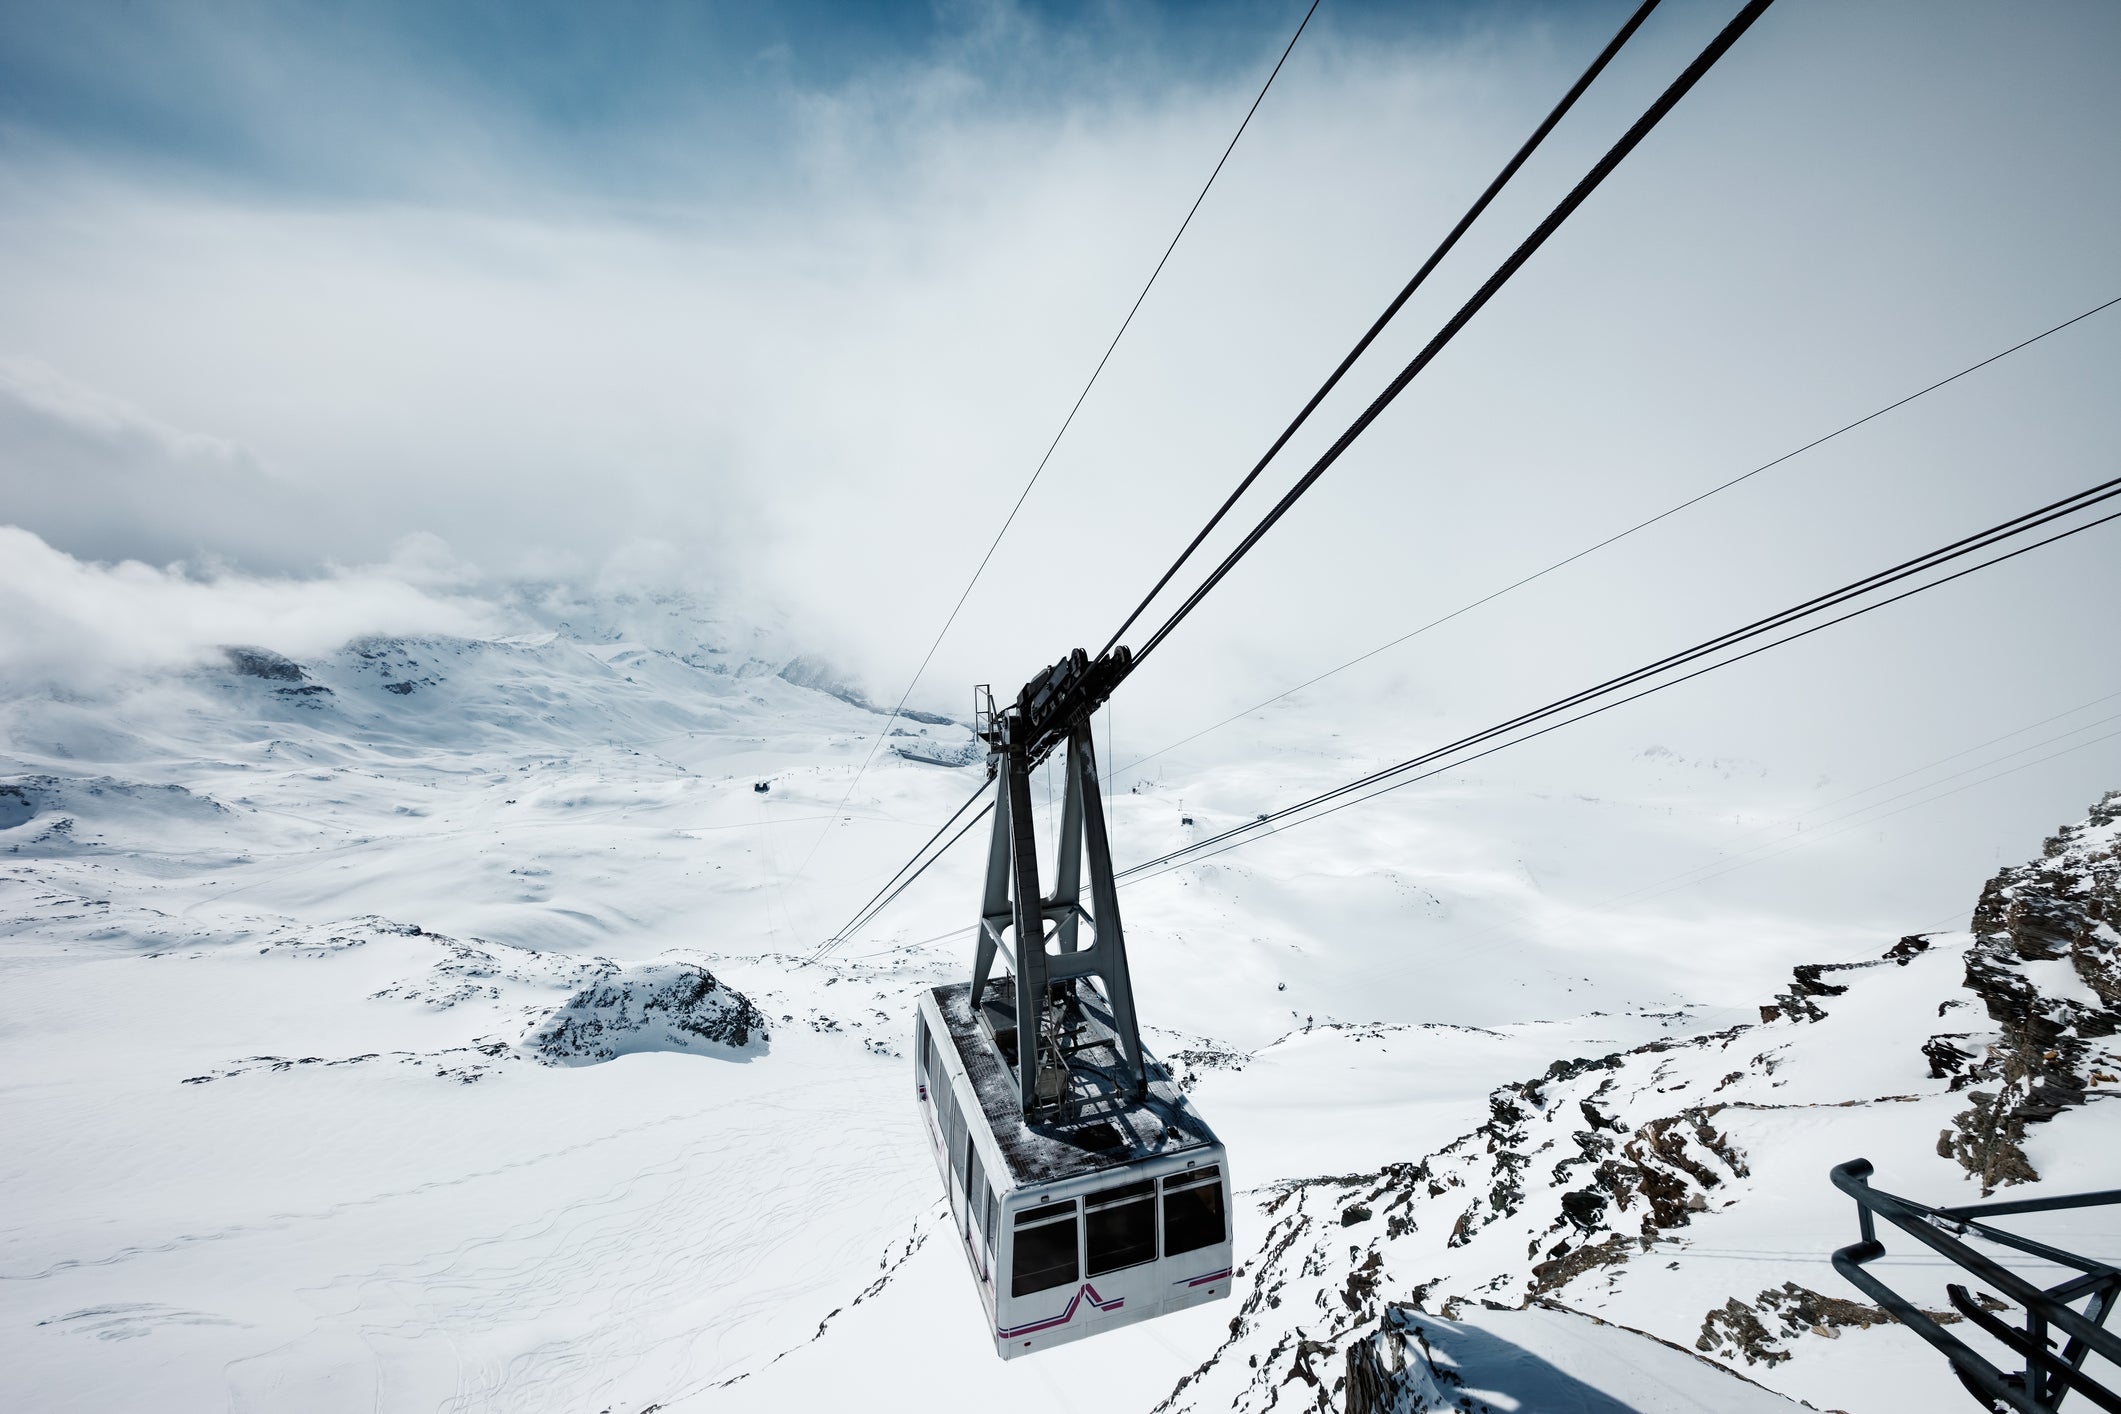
(1376, 783)
(1681, 881)
(1590, 182)
(1377, 327)
(1480, 204)
(862, 921)
(1066, 423)
(1624, 534)
(864, 913)
(1393, 777)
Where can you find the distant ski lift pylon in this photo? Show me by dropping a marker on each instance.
(1087, 1191)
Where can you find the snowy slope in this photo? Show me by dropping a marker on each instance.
(1678, 1188)
(430, 1024)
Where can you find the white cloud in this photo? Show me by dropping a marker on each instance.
(33, 394)
(78, 624)
(110, 480)
(829, 388)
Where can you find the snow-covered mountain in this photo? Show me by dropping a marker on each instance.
(1679, 1189)
(434, 1023)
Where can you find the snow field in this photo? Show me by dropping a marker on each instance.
(278, 1136)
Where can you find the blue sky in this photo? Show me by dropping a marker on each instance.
(338, 100)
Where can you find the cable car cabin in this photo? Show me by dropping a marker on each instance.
(1114, 1212)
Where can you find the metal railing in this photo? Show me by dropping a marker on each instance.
(2048, 1376)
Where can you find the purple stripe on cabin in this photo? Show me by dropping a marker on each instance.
(1202, 1281)
(1066, 1316)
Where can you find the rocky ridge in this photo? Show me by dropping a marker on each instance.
(1585, 1182)
(2046, 967)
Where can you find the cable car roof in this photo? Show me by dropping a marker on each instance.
(1112, 1129)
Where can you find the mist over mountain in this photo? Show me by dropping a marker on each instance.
(504, 508)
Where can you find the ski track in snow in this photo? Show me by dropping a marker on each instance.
(283, 1143)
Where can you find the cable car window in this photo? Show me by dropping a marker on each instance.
(927, 1052)
(1044, 1256)
(1053, 1209)
(1193, 1217)
(1120, 1227)
(1180, 1180)
(994, 1237)
(954, 1140)
(976, 1188)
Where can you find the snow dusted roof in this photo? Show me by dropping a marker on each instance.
(1114, 1129)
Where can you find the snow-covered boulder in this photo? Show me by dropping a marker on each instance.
(658, 1007)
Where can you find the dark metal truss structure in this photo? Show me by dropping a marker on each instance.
(1036, 1029)
(2048, 1375)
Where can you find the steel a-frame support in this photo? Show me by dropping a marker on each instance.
(1014, 918)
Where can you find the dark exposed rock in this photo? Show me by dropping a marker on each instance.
(1585, 1208)
(1557, 1272)
(1948, 1059)
(1362, 1284)
(264, 663)
(2059, 912)
(1188, 1065)
(1908, 948)
(18, 806)
(1797, 1003)
(1737, 1326)
(1760, 1331)
(392, 661)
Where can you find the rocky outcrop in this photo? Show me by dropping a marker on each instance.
(660, 1007)
(1808, 984)
(1578, 1173)
(1391, 1373)
(2046, 967)
(18, 805)
(263, 663)
(1760, 1331)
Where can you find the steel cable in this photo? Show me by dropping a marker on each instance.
(861, 914)
(1682, 881)
(1590, 182)
(1624, 534)
(2020, 525)
(1502, 178)
(1066, 422)
(863, 921)
(866, 912)
(1568, 100)
(2015, 526)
